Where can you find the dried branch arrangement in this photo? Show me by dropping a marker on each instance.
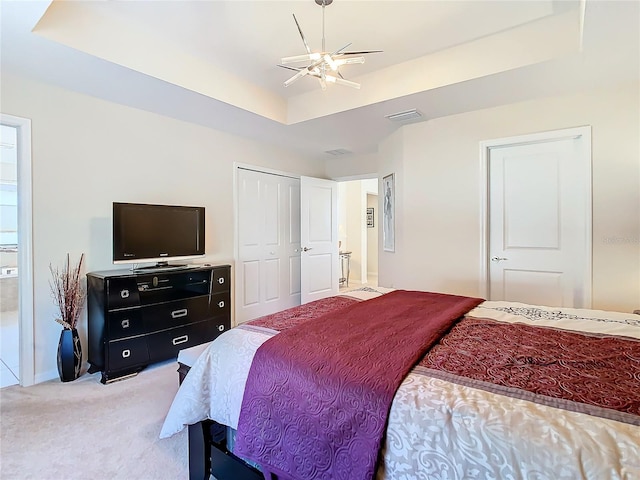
(68, 292)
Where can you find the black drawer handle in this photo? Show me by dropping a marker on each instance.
(179, 340)
(125, 323)
(124, 293)
(220, 328)
(179, 313)
(221, 280)
(126, 353)
(221, 304)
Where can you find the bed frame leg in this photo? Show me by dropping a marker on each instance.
(199, 459)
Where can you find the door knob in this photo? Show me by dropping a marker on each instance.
(305, 249)
(498, 259)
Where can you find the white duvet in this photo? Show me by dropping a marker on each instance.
(442, 430)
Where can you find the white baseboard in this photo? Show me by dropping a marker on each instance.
(46, 376)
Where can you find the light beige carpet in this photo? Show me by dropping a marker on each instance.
(83, 429)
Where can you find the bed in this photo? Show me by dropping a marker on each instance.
(506, 390)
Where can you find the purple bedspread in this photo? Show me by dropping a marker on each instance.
(318, 395)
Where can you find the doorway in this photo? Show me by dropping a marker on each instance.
(358, 231)
(9, 314)
(537, 218)
(286, 241)
(284, 222)
(16, 275)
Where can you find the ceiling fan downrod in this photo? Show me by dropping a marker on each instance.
(323, 3)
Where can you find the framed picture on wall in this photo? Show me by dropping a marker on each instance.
(388, 214)
(370, 221)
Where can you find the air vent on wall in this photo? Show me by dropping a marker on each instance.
(338, 151)
(404, 116)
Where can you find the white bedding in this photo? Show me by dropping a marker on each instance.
(443, 430)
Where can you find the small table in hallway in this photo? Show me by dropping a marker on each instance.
(345, 260)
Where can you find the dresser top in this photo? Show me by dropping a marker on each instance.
(128, 272)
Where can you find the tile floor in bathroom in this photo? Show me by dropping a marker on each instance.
(9, 349)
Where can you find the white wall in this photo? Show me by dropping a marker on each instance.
(391, 161)
(437, 171)
(372, 235)
(355, 215)
(88, 153)
(351, 167)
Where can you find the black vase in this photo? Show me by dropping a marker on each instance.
(69, 355)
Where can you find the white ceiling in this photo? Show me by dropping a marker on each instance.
(214, 63)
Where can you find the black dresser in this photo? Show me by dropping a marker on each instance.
(136, 319)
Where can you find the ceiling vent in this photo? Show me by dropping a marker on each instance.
(404, 116)
(338, 151)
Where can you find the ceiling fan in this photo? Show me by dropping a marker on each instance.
(323, 65)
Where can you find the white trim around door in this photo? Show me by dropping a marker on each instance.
(25, 248)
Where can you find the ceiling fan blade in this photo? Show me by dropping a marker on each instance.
(301, 58)
(323, 82)
(306, 46)
(297, 76)
(302, 72)
(342, 81)
(365, 52)
(295, 69)
(337, 52)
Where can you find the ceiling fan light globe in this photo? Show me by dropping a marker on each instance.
(331, 62)
(310, 57)
(347, 83)
(298, 75)
(349, 61)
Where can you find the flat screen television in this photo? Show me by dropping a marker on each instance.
(156, 233)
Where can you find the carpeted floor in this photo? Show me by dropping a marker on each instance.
(86, 430)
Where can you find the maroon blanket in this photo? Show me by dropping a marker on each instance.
(317, 396)
(302, 313)
(590, 373)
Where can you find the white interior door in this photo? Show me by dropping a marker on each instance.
(539, 222)
(319, 238)
(268, 261)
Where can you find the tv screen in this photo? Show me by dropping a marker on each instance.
(144, 232)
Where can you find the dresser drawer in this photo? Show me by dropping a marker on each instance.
(220, 304)
(221, 280)
(123, 354)
(168, 343)
(122, 293)
(125, 323)
(220, 325)
(176, 313)
(165, 287)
